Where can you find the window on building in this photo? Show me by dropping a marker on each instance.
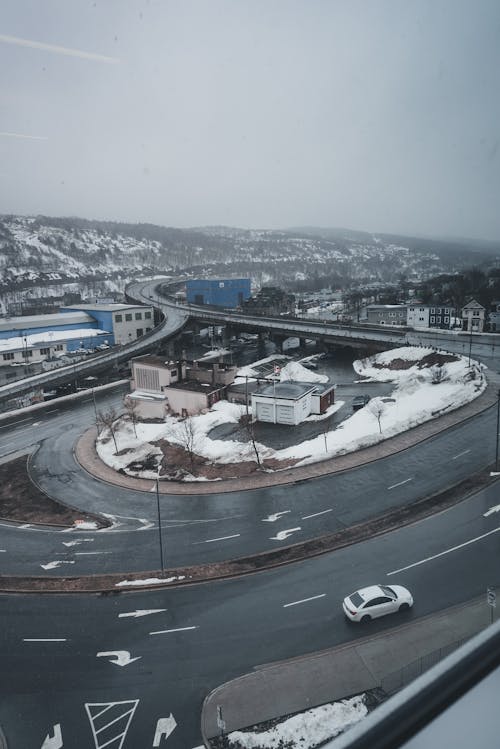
(59, 347)
(173, 372)
(147, 330)
(433, 319)
(139, 332)
(8, 355)
(118, 318)
(128, 317)
(28, 352)
(45, 351)
(433, 311)
(147, 315)
(138, 315)
(447, 319)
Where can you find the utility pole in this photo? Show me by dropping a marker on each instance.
(470, 338)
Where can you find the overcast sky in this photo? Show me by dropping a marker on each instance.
(381, 115)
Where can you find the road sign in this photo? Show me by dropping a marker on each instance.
(491, 597)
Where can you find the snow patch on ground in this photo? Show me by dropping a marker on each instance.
(148, 581)
(306, 730)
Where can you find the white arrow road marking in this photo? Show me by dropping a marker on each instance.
(25, 525)
(55, 741)
(400, 483)
(53, 565)
(119, 657)
(496, 508)
(164, 728)
(464, 452)
(274, 517)
(284, 534)
(304, 600)
(447, 551)
(167, 631)
(141, 612)
(77, 543)
(315, 515)
(110, 722)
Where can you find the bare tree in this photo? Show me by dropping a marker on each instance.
(377, 407)
(106, 420)
(132, 409)
(187, 436)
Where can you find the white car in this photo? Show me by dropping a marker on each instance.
(376, 600)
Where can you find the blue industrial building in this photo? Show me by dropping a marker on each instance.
(230, 292)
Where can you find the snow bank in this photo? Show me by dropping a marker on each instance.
(306, 730)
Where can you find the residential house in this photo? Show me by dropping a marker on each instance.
(473, 317)
(387, 314)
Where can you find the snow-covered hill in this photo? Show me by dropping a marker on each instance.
(41, 256)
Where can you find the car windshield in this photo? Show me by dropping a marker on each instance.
(356, 599)
(388, 591)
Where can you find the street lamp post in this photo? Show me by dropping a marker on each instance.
(498, 427)
(159, 521)
(470, 338)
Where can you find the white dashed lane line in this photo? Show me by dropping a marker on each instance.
(212, 540)
(316, 514)
(304, 600)
(464, 452)
(400, 483)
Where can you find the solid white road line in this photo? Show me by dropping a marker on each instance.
(447, 551)
(87, 553)
(464, 452)
(44, 639)
(211, 540)
(315, 515)
(304, 600)
(14, 423)
(400, 483)
(167, 631)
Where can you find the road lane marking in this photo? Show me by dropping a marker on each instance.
(118, 657)
(211, 540)
(140, 612)
(120, 713)
(447, 551)
(164, 728)
(275, 516)
(44, 639)
(87, 553)
(168, 631)
(464, 452)
(304, 600)
(315, 515)
(282, 535)
(15, 423)
(495, 508)
(400, 483)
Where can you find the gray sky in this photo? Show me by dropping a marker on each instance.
(381, 115)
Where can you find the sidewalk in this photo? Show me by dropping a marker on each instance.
(298, 684)
(86, 455)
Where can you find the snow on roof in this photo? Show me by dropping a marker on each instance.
(115, 307)
(49, 337)
(289, 390)
(43, 321)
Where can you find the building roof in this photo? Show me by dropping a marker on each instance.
(473, 305)
(386, 306)
(288, 390)
(194, 387)
(154, 361)
(43, 321)
(115, 307)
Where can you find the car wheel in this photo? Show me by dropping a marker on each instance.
(366, 618)
(404, 607)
